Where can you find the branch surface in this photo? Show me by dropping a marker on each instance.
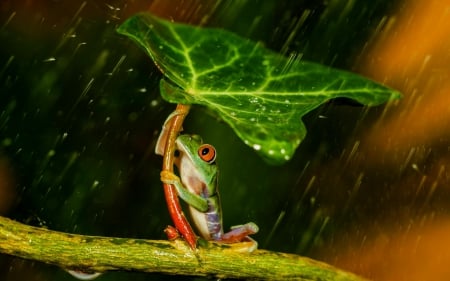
(95, 253)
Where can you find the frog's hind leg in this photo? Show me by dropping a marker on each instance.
(239, 239)
(239, 234)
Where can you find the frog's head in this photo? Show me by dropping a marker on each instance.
(197, 164)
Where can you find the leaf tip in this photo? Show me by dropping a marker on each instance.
(396, 95)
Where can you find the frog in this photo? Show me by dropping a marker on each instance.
(197, 185)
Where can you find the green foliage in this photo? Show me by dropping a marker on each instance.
(259, 93)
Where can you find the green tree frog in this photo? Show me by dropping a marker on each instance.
(198, 187)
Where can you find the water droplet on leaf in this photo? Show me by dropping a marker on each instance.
(257, 147)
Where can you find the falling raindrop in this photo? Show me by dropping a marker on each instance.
(50, 59)
(95, 184)
(154, 103)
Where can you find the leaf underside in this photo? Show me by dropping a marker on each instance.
(262, 95)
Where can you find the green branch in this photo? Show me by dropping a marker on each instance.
(94, 253)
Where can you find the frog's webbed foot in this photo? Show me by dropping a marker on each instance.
(239, 234)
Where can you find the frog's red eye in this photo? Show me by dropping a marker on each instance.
(207, 153)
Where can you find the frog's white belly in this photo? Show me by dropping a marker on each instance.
(209, 223)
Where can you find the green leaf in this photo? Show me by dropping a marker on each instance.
(262, 95)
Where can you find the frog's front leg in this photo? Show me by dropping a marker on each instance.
(192, 199)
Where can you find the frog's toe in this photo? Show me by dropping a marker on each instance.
(171, 232)
(169, 177)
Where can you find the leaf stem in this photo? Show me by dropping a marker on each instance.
(173, 203)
